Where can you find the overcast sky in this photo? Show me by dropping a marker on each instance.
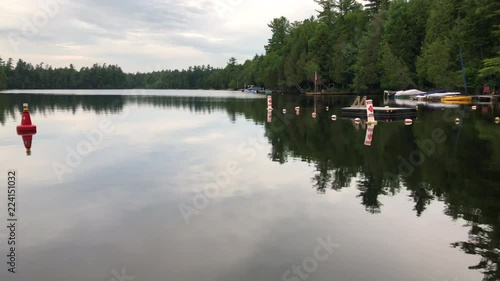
(141, 35)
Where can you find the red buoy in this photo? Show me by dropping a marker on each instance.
(26, 126)
(27, 140)
(26, 129)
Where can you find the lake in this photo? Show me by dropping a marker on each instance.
(206, 185)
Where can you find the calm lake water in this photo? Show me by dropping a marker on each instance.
(204, 185)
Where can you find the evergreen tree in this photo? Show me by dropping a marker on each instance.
(388, 44)
(373, 6)
(3, 75)
(3, 79)
(395, 75)
(367, 67)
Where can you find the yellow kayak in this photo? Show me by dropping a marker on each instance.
(457, 99)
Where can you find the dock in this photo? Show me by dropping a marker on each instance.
(485, 98)
(392, 113)
(358, 109)
(380, 120)
(329, 93)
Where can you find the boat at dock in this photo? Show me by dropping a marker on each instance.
(388, 94)
(434, 96)
(407, 94)
(251, 89)
(427, 104)
(457, 99)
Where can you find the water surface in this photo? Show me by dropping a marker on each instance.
(131, 196)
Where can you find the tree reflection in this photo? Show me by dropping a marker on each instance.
(464, 175)
(370, 190)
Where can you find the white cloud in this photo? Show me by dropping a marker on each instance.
(141, 35)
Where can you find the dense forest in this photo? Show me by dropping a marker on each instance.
(384, 44)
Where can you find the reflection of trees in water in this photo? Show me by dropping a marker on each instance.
(45, 104)
(422, 196)
(465, 177)
(335, 179)
(477, 203)
(479, 208)
(278, 151)
(321, 181)
(6, 111)
(484, 242)
(370, 190)
(341, 178)
(11, 104)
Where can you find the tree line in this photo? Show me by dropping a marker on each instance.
(384, 44)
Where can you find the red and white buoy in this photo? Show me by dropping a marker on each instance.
(26, 129)
(369, 134)
(370, 112)
(269, 102)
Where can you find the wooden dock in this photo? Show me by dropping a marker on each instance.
(391, 113)
(380, 120)
(358, 109)
(329, 93)
(485, 98)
